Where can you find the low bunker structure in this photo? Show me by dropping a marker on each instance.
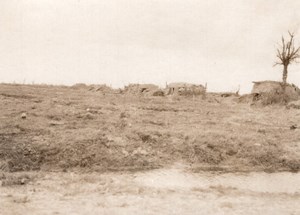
(185, 89)
(275, 92)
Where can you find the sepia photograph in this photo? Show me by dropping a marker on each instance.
(171, 107)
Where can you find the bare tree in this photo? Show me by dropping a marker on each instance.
(287, 54)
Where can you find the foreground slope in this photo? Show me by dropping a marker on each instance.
(63, 128)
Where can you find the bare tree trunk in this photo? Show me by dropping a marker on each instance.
(284, 77)
(284, 74)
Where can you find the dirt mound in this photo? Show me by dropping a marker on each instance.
(142, 89)
(272, 92)
(247, 98)
(158, 93)
(95, 88)
(80, 86)
(102, 88)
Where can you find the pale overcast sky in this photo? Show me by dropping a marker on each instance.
(225, 43)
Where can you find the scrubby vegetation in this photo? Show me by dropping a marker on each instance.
(67, 128)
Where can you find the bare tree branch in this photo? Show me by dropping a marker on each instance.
(277, 63)
(287, 53)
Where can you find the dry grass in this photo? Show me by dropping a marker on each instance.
(68, 128)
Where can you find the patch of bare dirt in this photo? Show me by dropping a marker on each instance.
(163, 191)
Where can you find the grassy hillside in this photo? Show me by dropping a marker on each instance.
(66, 128)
